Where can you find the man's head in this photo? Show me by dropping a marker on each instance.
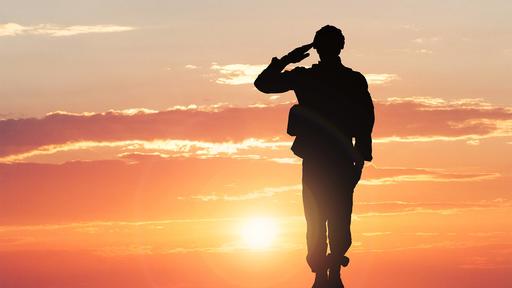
(328, 42)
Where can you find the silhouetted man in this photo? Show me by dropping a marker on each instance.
(334, 108)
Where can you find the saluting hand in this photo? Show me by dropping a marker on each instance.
(298, 54)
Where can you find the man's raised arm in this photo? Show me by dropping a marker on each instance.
(273, 80)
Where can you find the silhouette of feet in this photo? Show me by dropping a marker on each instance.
(321, 280)
(334, 264)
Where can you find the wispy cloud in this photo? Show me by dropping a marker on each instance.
(140, 150)
(378, 79)
(287, 160)
(53, 30)
(411, 27)
(390, 208)
(237, 74)
(142, 124)
(426, 233)
(423, 40)
(262, 193)
(163, 243)
(370, 234)
(424, 51)
(434, 177)
(11, 29)
(125, 112)
(435, 103)
(393, 175)
(149, 189)
(436, 119)
(220, 128)
(158, 188)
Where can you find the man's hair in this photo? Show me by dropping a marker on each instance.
(329, 36)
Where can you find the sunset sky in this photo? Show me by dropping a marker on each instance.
(135, 151)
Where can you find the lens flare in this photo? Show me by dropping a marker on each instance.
(259, 233)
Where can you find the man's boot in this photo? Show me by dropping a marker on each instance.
(334, 277)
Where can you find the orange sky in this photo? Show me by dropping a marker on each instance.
(134, 150)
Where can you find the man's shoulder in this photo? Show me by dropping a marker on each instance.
(356, 76)
(353, 73)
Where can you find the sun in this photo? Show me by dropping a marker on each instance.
(259, 233)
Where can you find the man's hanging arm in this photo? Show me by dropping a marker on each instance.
(363, 144)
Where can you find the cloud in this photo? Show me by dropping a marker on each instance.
(388, 175)
(473, 142)
(155, 187)
(190, 67)
(211, 125)
(237, 74)
(11, 29)
(373, 176)
(146, 189)
(420, 119)
(287, 160)
(140, 150)
(426, 233)
(96, 236)
(390, 208)
(52, 30)
(378, 79)
(424, 51)
(261, 193)
(424, 40)
(124, 112)
(370, 234)
(411, 27)
(220, 129)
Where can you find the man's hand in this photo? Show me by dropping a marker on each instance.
(359, 165)
(358, 171)
(297, 54)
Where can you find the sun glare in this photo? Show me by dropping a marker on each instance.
(259, 233)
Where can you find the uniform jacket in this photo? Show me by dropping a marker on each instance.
(334, 107)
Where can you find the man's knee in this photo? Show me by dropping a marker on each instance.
(317, 262)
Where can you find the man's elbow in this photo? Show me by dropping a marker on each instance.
(364, 146)
(261, 85)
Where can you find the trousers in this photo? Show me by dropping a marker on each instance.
(327, 193)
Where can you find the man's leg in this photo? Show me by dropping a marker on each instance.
(315, 215)
(338, 223)
(316, 233)
(340, 238)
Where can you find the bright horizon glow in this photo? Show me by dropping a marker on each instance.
(259, 233)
